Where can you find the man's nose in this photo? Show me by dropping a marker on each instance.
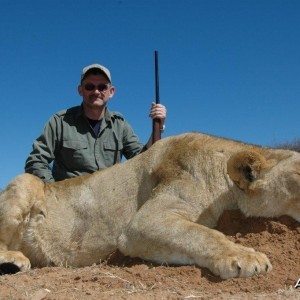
(96, 91)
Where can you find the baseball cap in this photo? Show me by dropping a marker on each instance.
(95, 66)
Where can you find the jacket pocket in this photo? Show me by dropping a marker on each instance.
(112, 152)
(75, 155)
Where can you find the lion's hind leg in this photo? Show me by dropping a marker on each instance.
(16, 202)
(12, 262)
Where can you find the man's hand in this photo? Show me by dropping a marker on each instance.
(158, 111)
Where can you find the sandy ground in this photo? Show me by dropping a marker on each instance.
(126, 278)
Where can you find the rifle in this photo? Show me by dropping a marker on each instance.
(156, 135)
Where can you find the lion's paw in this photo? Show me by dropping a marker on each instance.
(244, 262)
(13, 262)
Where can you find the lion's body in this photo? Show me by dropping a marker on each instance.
(159, 206)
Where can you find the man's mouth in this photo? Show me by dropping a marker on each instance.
(94, 98)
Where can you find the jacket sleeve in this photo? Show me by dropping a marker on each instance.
(131, 144)
(43, 149)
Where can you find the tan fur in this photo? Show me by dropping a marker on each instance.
(160, 206)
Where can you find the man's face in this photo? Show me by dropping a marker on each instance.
(95, 90)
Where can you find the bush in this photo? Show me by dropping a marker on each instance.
(293, 145)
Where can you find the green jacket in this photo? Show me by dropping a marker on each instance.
(70, 143)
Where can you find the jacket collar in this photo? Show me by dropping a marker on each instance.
(107, 114)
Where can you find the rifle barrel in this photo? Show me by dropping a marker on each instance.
(156, 135)
(156, 78)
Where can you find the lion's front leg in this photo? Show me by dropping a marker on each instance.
(164, 233)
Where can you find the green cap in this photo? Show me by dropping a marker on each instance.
(95, 66)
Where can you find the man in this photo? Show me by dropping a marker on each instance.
(89, 137)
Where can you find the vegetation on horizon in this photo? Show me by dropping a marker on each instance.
(292, 145)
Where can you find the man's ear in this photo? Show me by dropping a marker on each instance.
(244, 167)
(112, 91)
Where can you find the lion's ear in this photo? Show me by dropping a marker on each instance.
(244, 167)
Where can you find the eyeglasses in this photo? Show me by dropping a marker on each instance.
(102, 87)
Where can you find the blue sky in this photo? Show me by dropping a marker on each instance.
(227, 67)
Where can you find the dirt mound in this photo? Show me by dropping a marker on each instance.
(125, 278)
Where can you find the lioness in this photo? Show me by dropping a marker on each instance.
(160, 206)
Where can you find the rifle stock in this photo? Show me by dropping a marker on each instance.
(156, 135)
